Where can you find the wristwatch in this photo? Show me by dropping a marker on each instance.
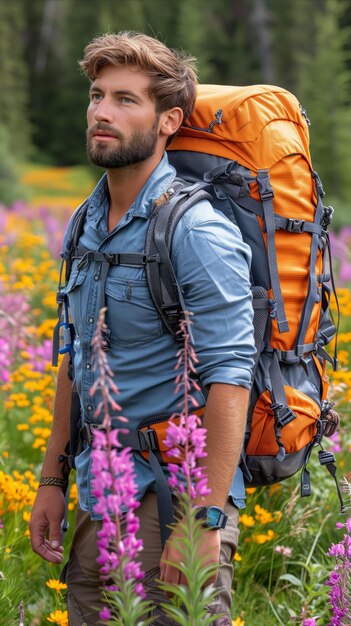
(212, 517)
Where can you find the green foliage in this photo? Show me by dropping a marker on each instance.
(324, 90)
(10, 189)
(189, 602)
(14, 87)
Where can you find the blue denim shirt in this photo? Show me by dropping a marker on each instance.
(212, 266)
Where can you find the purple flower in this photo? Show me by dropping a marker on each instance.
(309, 622)
(339, 580)
(185, 437)
(40, 356)
(105, 614)
(113, 483)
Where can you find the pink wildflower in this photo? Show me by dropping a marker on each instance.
(113, 483)
(284, 550)
(40, 356)
(339, 580)
(186, 439)
(105, 614)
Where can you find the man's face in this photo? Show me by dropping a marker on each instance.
(122, 121)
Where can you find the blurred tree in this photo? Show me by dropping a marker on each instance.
(15, 132)
(323, 86)
(57, 31)
(261, 20)
(13, 93)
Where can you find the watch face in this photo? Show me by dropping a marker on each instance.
(213, 516)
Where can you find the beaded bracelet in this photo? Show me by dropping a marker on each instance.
(53, 481)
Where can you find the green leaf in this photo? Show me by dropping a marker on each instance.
(291, 579)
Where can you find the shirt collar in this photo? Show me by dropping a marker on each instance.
(159, 181)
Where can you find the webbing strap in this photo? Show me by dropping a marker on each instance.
(267, 195)
(296, 225)
(130, 259)
(337, 324)
(312, 290)
(164, 498)
(283, 415)
(327, 458)
(250, 204)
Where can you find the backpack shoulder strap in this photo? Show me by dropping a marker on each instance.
(74, 231)
(162, 281)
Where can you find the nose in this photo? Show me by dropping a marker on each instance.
(103, 111)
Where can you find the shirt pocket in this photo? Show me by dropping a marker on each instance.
(131, 314)
(77, 298)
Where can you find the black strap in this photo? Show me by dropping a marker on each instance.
(283, 415)
(297, 226)
(312, 289)
(162, 282)
(327, 458)
(267, 195)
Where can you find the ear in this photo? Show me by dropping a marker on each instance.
(170, 121)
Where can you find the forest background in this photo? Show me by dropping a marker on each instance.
(282, 565)
(302, 45)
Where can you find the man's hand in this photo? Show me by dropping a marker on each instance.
(209, 551)
(47, 515)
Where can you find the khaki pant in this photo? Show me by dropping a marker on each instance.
(84, 596)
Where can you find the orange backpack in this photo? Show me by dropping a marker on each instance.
(247, 150)
(250, 145)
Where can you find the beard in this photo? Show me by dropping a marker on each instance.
(139, 147)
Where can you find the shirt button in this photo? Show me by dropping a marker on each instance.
(89, 407)
(96, 277)
(91, 320)
(88, 366)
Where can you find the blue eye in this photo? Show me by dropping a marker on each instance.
(95, 97)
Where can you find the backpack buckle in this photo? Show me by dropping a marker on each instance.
(295, 226)
(112, 259)
(60, 297)
(326, 457)
(148, 439)
(282, 414)
(172, 310)
(265, 189)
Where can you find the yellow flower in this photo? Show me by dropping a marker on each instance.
(260, 538)
(263, 516)
(58, 617)
(22, 427)
(237, 557)
(238, 622)
(251, 489)
(247, 520)
(55, 584)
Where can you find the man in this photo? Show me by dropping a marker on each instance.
(140, 93)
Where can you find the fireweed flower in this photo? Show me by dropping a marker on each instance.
(339, 580)
(186, 439)
(114, 487)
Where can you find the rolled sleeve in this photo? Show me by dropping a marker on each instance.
(212, 265)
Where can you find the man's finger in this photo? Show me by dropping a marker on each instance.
(47, 553)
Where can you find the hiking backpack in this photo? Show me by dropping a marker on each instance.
(247, 150)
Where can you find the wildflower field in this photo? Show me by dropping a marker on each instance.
(284, 560)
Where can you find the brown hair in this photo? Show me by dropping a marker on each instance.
(173, 72)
